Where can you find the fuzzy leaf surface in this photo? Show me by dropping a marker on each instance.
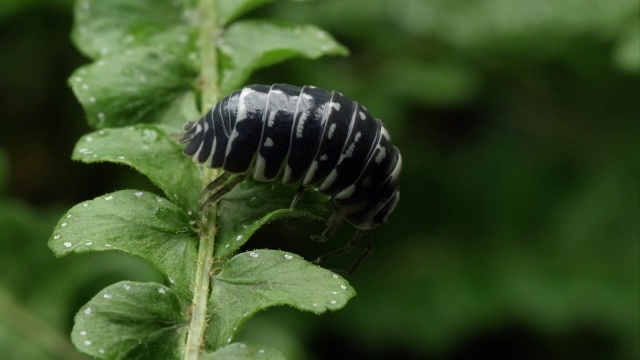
(255, 280)
(250, 205)
(136, 222)
(244, 351)
(249, 45)
(153, 151)
(105, 27)
(131, 320)
(139, 85)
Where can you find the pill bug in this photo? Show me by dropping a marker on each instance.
(306, 136)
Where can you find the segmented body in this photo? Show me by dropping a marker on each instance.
(303, 135)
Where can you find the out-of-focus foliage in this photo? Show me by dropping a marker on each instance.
(518, 229)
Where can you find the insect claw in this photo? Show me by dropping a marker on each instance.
(297, 197)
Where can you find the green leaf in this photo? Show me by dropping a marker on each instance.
(151, 150)
(244, 351)
(136, 222)
(627, 51)
(131, 320)
(229, 10)
(104, 27)
(250, 45)
(251, 205)
(138, 85)
(252, 281)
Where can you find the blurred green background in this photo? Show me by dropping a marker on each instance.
(518, 231)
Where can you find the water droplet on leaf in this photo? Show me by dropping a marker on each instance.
(255, 202)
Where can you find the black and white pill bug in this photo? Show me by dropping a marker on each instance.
(309, 136)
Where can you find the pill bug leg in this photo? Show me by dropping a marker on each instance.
(333, 224)
(367, 250)
(219, 190)
(355, 240)
(297, 197)
(215, 184)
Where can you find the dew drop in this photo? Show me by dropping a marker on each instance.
(288, 257)
(101, 117)
(92, 99)
(171, 280)
(88, 139)
(85, 86)
(101, 351)
(343, 287)
(335, 276)
(333, 302)
(242, 224)
(67, 244)
(87, 311)
(127, 287)
(239, 237)
(89, 243)
(87, 342)
(107, 296)
(161, 290)
(108, 198)
(64, 224)
(261, 351)
(139, 193)
(149, 136)
(255, 202)
(56, 237)
(121, 158)
(254, 254)
(228, 340)
(83, 333)
(108, 245)
(314, 305)
(334, 292)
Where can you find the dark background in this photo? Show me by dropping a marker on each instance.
(517, 234)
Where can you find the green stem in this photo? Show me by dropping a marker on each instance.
(210, 94)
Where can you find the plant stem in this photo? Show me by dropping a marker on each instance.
(210, 94)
